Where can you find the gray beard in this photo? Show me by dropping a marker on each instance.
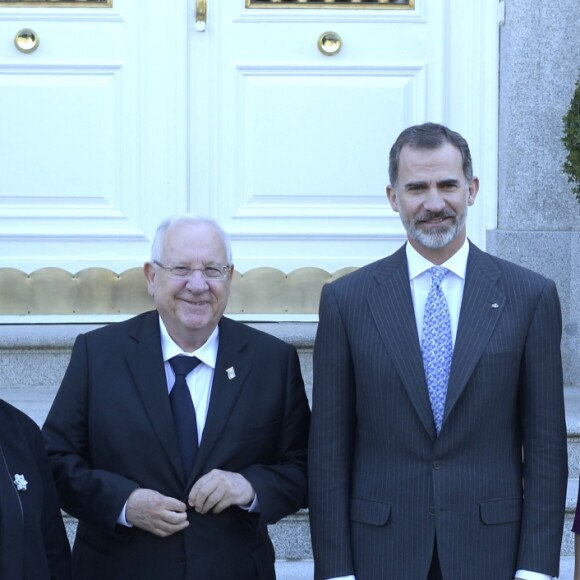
(436, 238)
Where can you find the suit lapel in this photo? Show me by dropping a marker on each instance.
(391, 306)
(482, 305)
(231, 371)
(145, 360)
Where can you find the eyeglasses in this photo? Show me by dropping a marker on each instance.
(183, 273)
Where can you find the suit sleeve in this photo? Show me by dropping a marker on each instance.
(543, 424)
(331, 443)
(53, 531)
(281, 485)
(93, 495)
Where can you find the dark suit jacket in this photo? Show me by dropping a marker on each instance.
(33, 542)
(383, 486)
(110, 430)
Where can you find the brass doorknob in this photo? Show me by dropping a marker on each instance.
(329, 43)
(26, 40)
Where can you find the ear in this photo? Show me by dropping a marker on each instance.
(150, 274)
(473, 189)
(392, 197)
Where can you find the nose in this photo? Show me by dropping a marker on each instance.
(434, 202)
(196, 281)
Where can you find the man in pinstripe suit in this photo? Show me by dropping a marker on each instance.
(482, 497)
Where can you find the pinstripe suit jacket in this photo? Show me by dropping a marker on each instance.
(383, 486)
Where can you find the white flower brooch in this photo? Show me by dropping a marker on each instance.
(20, 482)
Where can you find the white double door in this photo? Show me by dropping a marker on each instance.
(125, 114)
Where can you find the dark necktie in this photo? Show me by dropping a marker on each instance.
(183, 410)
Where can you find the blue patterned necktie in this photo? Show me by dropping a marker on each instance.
(184, 410)
(437, 344)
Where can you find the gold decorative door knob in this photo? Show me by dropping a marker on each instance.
(329, 43)
(26, 40)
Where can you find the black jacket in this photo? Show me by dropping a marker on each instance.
(33, 542)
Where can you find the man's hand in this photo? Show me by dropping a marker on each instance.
(161, 515)
(218, 490)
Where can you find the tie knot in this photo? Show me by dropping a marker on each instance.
(182, 365)
(437, 274)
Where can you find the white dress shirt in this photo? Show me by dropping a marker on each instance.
(452, 286)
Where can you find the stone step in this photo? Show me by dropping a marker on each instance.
(301, 570)
(566, 568)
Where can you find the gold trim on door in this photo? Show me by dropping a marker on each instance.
(345, 4)
(58, 3)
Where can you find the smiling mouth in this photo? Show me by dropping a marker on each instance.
(436, 223)
(434, 219)
(196, 302)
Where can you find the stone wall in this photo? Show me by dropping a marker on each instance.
(538, 215)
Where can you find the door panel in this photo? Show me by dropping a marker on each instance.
(127, 113)
(296, 142)
(92, 139)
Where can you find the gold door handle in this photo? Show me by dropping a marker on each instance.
(329, 43)
(200, 14)
(26, 40)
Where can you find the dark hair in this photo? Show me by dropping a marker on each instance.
(428, 136)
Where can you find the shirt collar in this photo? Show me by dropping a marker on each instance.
(206, 353)
(418, 264)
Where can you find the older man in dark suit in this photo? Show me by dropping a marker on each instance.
(438, 441)
(175, 472)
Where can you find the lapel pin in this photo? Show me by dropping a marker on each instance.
(231, 373)
(20, 482)
(495, 305)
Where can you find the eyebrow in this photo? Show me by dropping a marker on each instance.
(422, 184)
(446, 182)
(204, 266)
(415, 184)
